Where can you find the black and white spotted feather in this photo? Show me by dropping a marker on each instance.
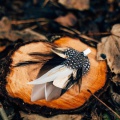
(52, 84)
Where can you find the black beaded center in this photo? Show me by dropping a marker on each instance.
(76, 60)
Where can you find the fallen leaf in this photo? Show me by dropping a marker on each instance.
(7, 32)
(116, 30)
(95, 115)
(115, 97)
(75, 4)
(110, 47)
(58, 117)
(116, 79)
(5, 24)
(100, 48)
(67, 20)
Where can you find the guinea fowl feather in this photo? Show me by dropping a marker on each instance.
(55, 82)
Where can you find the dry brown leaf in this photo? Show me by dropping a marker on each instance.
(116, 30)
(37, 36)
(67, 20)
(115, 94)
(110, 46)
(75, 4)
(100, 48)
(116, 79)
(27, 34)
(58, 117)
(5, 25)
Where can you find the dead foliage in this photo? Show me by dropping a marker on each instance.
(110, 48)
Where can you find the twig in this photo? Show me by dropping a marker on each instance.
(73, 31)
(84, 36)
(2, 113)
(88, 38)
(104, 104)
(15, 22)
(99, 33)
(32, 27)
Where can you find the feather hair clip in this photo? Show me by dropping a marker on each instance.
(55, 82)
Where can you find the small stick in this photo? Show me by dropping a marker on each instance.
(104, 104)
(99, 33)
(88, 38)
(33, 27)
(84, 36)
(2, 113)
(15, 22)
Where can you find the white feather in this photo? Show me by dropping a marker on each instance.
(38, 92)
(60, 83)
(62, 80)
(48, 77)
(52, 92)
